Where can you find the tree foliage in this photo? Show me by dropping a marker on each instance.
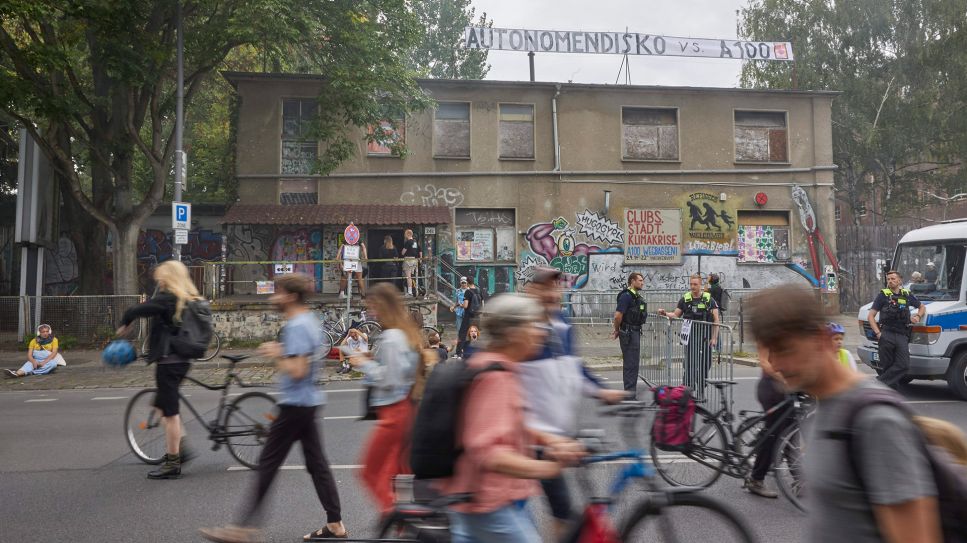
(900, 126)
(440, 53)
(93, 81)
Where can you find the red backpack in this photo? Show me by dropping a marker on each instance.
(673, 423)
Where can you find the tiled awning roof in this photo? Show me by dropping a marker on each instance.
(362, 214)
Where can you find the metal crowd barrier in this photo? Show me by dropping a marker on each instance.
(680, 352)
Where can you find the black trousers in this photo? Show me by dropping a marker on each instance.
(295, 423)
(464, 330)
(770, 393)
(698, 358)
(894, 350)
(630, 341)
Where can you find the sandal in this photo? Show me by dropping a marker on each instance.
(324, 534)
(11, 373)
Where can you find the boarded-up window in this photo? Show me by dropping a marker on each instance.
(451, 130)
(299, 149)
(649, 133)
(390, 136)
(763, 237)
(516, 131)
(760, 136)
(298, 191)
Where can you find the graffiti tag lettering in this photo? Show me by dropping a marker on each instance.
(599, 228)
(430, 195)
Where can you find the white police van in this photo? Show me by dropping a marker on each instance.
(938, 345)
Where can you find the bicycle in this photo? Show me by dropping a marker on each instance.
(213, 348)
(717, 447)
(336, 329)
(242, 424)
(678, 510)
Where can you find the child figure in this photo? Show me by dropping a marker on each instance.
(839, 334)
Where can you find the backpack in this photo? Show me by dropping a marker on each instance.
(476, 303)
(192, 338)
(434, 441)
(949, 477)
(672, 428)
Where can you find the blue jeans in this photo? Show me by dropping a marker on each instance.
(28, 368)
(509, 524)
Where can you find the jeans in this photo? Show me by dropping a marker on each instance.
(509, 524)
(630, 341)
(47, 367)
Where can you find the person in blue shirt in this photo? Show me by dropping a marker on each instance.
(297, 358)
(457, 308)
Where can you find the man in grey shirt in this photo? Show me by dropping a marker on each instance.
(896, 499)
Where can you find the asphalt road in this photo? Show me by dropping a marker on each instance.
(66, 473)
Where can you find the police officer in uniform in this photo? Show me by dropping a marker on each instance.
(628, 318)
(893, 331)
(699, 307)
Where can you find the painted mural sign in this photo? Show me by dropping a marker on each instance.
(654, 236)
(599, 228)
(566, 246)
(709, 225)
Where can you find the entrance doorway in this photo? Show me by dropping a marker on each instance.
(385, 271)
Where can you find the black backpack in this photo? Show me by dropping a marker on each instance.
(949, 477)
(435, 448)
(476, 302)
(192, 338)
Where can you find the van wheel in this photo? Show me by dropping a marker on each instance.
(957, 375)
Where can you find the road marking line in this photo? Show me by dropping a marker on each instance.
(341, 418)
(934, 401)
(109, 398)
(41, 400)
(292, 468)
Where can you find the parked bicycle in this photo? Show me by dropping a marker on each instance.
(336, 328)
(242, 423)
(716, 447)
(657, 514)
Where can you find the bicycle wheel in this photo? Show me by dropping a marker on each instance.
(427, 330)
(372, 330)
(424, 530)
(685, 517)
(700, 463)
(787, 465)
(143, 429)
(246, 426)
(213, 347)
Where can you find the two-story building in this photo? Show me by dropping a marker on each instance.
(595, 180)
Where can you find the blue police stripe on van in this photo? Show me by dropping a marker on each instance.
(948, 321)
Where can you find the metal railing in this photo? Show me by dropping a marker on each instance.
(88, 320)
(684, 352)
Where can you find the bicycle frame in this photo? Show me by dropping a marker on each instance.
(734, 463)
(215, 431)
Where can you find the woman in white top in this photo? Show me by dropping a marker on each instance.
(358, 342)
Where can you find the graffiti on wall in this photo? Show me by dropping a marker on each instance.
(491, 279)
(431, 195)
(562, 246)
(300, 244)
(710, 224)
(61, 273)
(599, 228)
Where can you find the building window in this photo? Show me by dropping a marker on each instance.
(451, 130)
(763, 236)
(861, 210)
(485, 235)
(299, 150)
(649, 133)
(298, 191)
(516, 131)
(390, 136)
(760, 136)
(839, 213)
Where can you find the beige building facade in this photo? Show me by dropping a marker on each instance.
(595, 180)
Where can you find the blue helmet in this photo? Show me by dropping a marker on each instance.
(119, 352)
(836, 328)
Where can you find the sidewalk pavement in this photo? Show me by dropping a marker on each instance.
(85, 370)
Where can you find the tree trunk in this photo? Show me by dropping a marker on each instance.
(126, 259)
(89, 237)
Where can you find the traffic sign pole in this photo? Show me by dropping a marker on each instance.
(180, 159)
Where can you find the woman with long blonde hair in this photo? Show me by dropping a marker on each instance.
(390, 373)
(165, 308)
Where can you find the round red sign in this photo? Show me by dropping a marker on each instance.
(351, 234)
(761, 199)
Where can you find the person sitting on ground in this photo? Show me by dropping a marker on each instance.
(436, 343)
(839, 335)
(358, 342)
(42, 355)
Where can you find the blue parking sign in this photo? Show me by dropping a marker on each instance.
(180, 215)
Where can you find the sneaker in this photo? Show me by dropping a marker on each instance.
(11, 373)
(759, 489)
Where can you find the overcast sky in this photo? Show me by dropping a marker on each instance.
(688, 18)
